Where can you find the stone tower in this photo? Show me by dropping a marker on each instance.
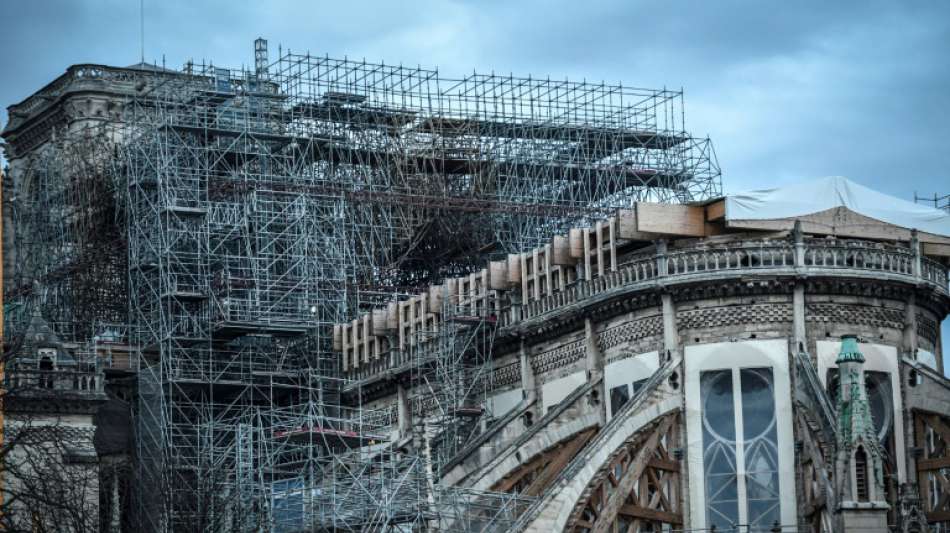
(859, 469)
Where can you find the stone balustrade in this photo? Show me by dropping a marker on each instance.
(818, 257)
(30, 382)
(704, 261)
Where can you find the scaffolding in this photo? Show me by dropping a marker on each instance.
(232, 217)
(451, 367)
(65, 240)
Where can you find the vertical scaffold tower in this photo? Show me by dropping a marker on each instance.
(452, 368)
(236, 267)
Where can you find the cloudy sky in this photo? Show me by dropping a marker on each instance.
(786, 90)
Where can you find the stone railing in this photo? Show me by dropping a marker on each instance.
(30, 382)
(640, 270)
(933, 272)
(708, 261)
(809, 256)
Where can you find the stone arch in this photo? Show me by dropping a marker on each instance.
(535, 474)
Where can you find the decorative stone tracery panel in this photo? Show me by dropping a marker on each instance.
(630, 331)
(507, 375)
(861, 315)
(558, 357)
(735, 315)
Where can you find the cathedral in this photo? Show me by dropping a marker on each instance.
(329, 295)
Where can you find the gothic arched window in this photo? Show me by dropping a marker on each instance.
(748, 439)
(737, 399)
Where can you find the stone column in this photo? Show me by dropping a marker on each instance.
(527, 374)
(798, 317)
(595, 371)
(530, 392)
(909, 333)
(915, 251)
(800, 334)
(404, 411)
(670, 334)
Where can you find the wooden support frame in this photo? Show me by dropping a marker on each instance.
(639, 489)
(932, 435)
(533, 476)
(817, 490)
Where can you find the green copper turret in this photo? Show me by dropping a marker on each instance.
(849, 350)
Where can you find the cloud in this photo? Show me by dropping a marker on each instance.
(787, 91)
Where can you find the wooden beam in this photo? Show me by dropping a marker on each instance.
(938, 516)
(920, 431)
(637, 511)
(933, 464)
(627, 227)
(937, 424)
(671, 219)
(664, 464)
(546, 464)
(716, 211)
(630, 478)
(564, 455)
(936, 249)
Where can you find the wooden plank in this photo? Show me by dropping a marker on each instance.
(380, 323)
(498, 275)
(564, 455)
(627, 227)
(338, 337)
(636, 511)
(920, 440)
(512, 478)
(936, 249)
(671, 219)
(664, 464)
(435, 294)
(716, 211)
(933, 464)
(938, 516)
(575, 239)
(392, 316)
(937, 424)
(514, 268)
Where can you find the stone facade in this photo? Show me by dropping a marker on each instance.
(799, 306)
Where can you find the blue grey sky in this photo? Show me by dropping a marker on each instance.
(786, 90)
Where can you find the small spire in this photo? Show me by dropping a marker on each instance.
(849, 350)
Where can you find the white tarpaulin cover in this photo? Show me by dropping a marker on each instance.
(807, 197)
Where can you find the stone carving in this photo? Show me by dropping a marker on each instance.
(506, 375)
(912, 519)
(735, 315)
(558, 357)
(861, 315)
(630, 331)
